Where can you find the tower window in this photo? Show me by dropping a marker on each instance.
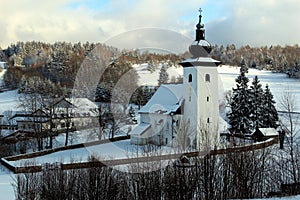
(207, 99)
(208, 120)
(207, 78)
(190, 78)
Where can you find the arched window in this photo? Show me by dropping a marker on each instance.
(190, 78)
(208, 121)
(207, 78)
(207, 99)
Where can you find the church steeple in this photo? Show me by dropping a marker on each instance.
(200, 31)
(200, 47)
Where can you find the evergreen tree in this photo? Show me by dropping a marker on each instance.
(142, 95)
(270, 115)
(163, 75)
(239, 117)
(257, 96)
(151, 67)
(103, 92)
(139, 97)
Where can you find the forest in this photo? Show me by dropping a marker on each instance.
(59, 62)
(251, 174)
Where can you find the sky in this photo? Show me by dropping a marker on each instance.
(239, 22)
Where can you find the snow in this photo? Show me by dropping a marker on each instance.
(151, 79)
(9, 101)
(283, 198)
(268, 131)
(166, 99)
(6, 181)
(139, 129)
(207, 61)
(116, 150)
(277, 82)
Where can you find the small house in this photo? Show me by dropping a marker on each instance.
(262, 134)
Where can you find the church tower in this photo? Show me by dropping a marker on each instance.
(201, 105)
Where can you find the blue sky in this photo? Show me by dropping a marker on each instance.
(242, 22)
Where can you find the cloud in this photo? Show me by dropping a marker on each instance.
(258, 23)
(153, 39)
(60, 20)
(253, 22)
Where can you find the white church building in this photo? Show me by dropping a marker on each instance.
(184, 115)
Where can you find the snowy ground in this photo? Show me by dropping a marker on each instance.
(151, 78)
(278, 82)
(116, 150)
(6, 181)
(8, 101)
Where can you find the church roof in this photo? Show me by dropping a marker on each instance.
(168, 98)
(200, 61)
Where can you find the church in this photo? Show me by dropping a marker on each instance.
(184, 115)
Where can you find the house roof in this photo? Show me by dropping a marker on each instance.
(268, 131)
(140, 129)
(63, 103)
(84, 103)
(167, 99)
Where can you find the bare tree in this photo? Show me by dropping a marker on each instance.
(184, 135)
(290, 125)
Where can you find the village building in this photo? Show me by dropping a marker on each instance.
(262, 134)
(184, 113)
(64, 114)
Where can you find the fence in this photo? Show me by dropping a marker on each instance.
(115, 162)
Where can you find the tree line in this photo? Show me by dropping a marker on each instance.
(252, 174)
(277, 58)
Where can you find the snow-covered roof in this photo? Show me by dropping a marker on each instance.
(268, 131)
(167, 99)
(82, 103)
(200, 61)
(140, 129)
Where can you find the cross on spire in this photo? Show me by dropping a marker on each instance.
(200, 25)
(200, 28)
(200, 11)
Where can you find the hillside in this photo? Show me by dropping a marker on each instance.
(277, 82)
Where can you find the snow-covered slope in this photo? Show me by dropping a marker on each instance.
(151, 78)
(278, 82)
(9, 101)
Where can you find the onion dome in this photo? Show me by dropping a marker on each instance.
(200, 47)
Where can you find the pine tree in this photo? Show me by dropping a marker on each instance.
(239, 117)
(270, 115)
(257, 96)
(151, 67)
(163, 75)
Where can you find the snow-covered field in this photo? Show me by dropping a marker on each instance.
(278, 83)
(6, 181)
